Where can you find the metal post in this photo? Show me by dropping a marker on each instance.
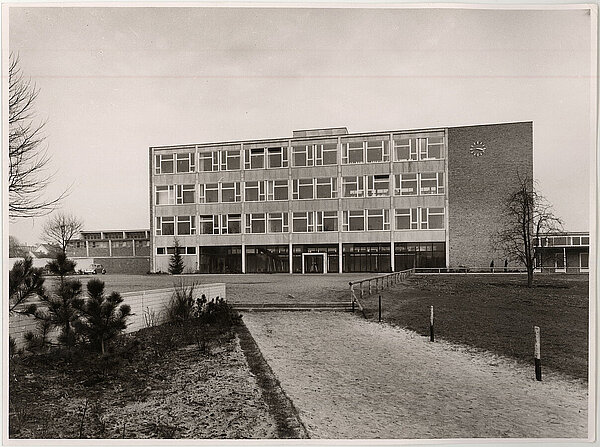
(537, 356)
(431, 336)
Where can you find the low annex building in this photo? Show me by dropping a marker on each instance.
(567, 252)
(327, 201)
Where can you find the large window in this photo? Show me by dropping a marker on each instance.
(353, 152)
(378, 185)
(165, 226)
(302, 155)
(164, 164)
(165, 195)
(407, 219)
(354, 220)
(432, 183)
(406, 185)
(432, 218)
(430, 148)
(378, 151)
(326, 188)
(255, 158)
(206, 224)
(327, 220)
(230, 160)
(303, 188)
(302, 222)
(353, 186)
(378, 219)
(208, 161)
(230, 192)
(255, 223)
(233, 223)
(186, 162)
(278, 223)
(186, 194)
(326, 154)
(277, 190)
(277, 157)
(186, 225)
(254, 191)
(409, 255)
(209, 193)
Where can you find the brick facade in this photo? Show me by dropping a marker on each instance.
(478, 186)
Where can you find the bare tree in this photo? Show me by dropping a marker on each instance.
(60, 229)
(28, 174)
(527, 215)
(15, 249)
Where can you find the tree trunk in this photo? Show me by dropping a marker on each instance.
(529, 277)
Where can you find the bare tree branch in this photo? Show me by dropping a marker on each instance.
(61, 229)
(28, 174)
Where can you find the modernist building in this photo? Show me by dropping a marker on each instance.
(329, 201)
(563, 253)
(119, 251)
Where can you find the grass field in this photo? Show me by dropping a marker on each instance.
(497, 313)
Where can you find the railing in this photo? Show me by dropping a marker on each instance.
(466, 270)
(375, 284)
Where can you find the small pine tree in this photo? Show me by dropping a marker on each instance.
(61, 266)
(102, 317)
(24, 281)
(176, 264)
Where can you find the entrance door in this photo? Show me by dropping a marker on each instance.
(314, 262)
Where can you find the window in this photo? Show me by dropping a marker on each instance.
(277, 190)
(164, 195)
(429, 148)
(230, 160)
(255, 191)
(186, 162)
(165, 226)
(434, 149)
(186, 225)
(406, 185)
(277, 157)
(303, 188)
(208, 161)
(378, 185)
(432, 183)
(353, 152)
(234, 223)
(353, 186)
(230, 192)
(161, 250)
(432, 218)
(326, 188)
(255, 158)
(171, 250)
(407, 219)
(205, 224)
(585, 240)
(164, 164)
(326, 154)
(378, 151)
(255, 223)
(584, 261)
(354, 220)
(278, 223)
(209, 193)
(186, 194)
(302, 222)
(378, 219)
(575, 240)
(405, 149)
(327, 220)
(302, 155)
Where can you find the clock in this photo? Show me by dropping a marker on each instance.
(477, 149)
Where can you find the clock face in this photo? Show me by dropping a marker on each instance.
(477, 149)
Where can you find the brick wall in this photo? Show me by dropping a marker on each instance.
(143, 304)
(477, 186)
(127, 265)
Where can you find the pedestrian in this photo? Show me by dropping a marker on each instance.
(505, 265)
(492, 266)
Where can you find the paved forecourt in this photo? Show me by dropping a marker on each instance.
(350, 378)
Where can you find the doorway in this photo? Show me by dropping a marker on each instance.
(314, 262)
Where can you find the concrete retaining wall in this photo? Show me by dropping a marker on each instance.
(145, 305)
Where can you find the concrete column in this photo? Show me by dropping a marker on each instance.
(340, 260)
(290, 259)
(109, 247)
(243, 258)
(87, 248)
(133, 246)
(565, 258)
(393, 258)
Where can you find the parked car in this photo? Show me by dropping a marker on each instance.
(94, 269)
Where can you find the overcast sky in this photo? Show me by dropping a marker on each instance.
(114, 81)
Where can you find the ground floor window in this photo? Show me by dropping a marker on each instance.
(267, 259)
(220, 259)
(315, 264)
(367, 258)
(408, 255)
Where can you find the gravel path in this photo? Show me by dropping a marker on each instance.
(350, 378)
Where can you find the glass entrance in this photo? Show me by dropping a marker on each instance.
(313, 262)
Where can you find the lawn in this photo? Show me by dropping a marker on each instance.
(497, 313)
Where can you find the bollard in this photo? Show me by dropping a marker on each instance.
(536, 354)
(380, 308)
(352, 305)
(431, 337)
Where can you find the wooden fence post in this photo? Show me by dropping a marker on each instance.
(537, 356)
(431, 336)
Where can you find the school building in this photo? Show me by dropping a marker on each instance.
(327, 201)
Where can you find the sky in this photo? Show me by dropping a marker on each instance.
(114, 81)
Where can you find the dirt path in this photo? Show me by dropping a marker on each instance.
(350, 378)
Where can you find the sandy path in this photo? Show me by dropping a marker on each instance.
(350, 378)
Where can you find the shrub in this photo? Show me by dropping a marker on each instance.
(182, 306)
